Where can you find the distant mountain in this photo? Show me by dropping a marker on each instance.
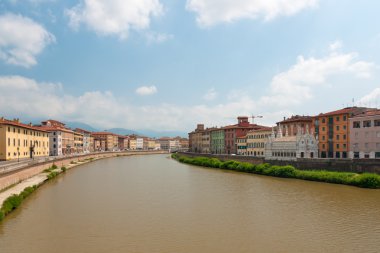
(148, 133)
(84, 126)
(122, 131)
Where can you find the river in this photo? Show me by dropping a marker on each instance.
(155, 204)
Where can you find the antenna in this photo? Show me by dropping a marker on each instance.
(253, 117)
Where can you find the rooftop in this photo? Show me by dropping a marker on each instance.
(347, 110)
(17, 123)
(296, 118)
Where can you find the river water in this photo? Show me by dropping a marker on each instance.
(155, 204)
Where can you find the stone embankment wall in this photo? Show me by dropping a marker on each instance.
(342, 165)
(30, 171)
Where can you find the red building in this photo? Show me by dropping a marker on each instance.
(232, 132)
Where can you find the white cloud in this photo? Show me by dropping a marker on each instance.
(336, 45)
(114, 17)
(212, 12)
(154, 37)
(296, 84)
(211, 94)
(22, 40)
(146, 90)
(372, 99)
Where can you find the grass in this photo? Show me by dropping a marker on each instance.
(365, 180)
(14, 201)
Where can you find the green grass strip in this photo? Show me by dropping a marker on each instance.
(365, 180)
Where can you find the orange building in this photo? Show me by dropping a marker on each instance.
(333, 132)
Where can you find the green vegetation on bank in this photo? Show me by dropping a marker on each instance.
(15, 201)
(365, 180)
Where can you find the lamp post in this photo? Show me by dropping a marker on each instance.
(18, 154)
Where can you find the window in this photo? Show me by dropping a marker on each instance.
(344, 117)
(344, 127)
(337, 128)
(323, 120)
(337, 118)
(378, 134)
(367, 123)
(377, 145)
(323, 128)
(344, 137)
(9, 129)
(337, 136)
(376, 123)
(9, 141)
(356, 124)
(344, 146)
(323, 137)
(337, 145)
(366, 145)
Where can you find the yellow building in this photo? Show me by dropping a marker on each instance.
(19, 140)
(151, 144)
(132, 144)
(78, 142)
(256, 141)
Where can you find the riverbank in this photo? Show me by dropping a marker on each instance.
(365, 180)
(12, 195)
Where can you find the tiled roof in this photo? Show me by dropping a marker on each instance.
(296, 118)
(52, 129)
(80, 130)
(369, 113)
(18, 124)
(346, 110)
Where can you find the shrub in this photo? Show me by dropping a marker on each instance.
(1, 215)
(11, 203)
(63, 168)
(367, 180)
(53, 167)
(284, 171)
(52, 175)
(261, 168)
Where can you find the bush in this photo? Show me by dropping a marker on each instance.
(367, 180)
(63, 168)
(1, 215)
(11, 203)
(54, 167)
(364, 180)
(52, 175)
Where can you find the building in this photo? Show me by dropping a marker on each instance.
(365, 135)
(333, 131)
(78, 142)
(61, 138)
(217, 141)
(206, 142)
(302, 145)
(18, 140)
(151, 144)
(106, 141)
(139, 143)
(132, 143)
(296, 122)
(184, 144)
(195, 139)
(232, 132)
(86, 140)
(256, 140)
(241, 143)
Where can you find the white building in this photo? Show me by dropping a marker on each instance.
(55, 143)
(139, 143)
(302, 145)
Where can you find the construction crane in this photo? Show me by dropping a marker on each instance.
(253, 117)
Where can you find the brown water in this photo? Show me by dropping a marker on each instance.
(155, 204)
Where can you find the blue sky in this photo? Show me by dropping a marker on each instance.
(170, 64)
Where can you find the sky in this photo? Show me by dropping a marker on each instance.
(170, 64)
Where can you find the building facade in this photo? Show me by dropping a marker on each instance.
(256, 140)
(241, 143)
(303, 145)
(18, 140)
(292, 124)
(334, 132)
(365, 135)
(232, 132)
(195, 139)
(217, 141)
(86, 140)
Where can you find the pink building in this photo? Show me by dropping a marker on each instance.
(365, 135)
